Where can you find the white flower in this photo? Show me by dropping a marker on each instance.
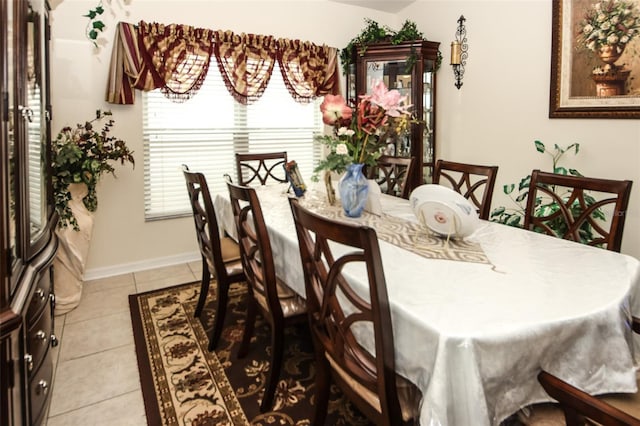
(344, 131)
(341, 149)
(601, 17)
(624, 39)
(587, 29)
(614, 20)
(612, 39)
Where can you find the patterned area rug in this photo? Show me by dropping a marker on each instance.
(185, 384)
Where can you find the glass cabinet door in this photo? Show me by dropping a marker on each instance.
(35, 119)
(408, 67)
(395, 74)
(9, 149)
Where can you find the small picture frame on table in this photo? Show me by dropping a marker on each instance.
(295, 178)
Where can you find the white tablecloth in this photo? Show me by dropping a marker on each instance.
(473, 336)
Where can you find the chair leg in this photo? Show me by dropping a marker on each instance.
(204, 289)
(221, 311)
(248, 326)
(277, 348)
(323, 382)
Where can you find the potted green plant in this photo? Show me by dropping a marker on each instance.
(80, 156)
(515, 216)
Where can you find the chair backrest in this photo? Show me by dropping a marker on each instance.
(578, 405)
(205, 220)
(335, 309)
(474, 182)
(255, 247)
(254, 168)
(391, 173)
(578, 208)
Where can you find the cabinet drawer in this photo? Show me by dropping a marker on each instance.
(40, 296)
(38, 338)
(39, 390)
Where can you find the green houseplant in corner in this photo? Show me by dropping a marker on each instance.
(80, 156)
(515, 216)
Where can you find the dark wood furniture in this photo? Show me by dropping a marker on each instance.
(28, 242)
(254, 168)
(277, 303)
(335, 310)
(474, 182)
(391, 174)
(575, 204)
(220, 255)
(609, 410)
(409, 67)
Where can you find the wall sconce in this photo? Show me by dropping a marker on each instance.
(459, 52)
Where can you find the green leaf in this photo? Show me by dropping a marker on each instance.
(560, 170)
(574, 172)
(522, 197)
(514, 220)
(508, 189)
(91, 14)
(498, 211)
(524, 182)
(99, 10)
(98, 25)
(93, 35)
(539, 146)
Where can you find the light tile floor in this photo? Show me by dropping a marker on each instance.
(96, 379)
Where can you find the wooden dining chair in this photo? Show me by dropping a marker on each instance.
(254, 168)
(606, 410)
(474, 182)
(391, 174)
(572, 208)
(277, 303)
(337, 312)
(220, 255)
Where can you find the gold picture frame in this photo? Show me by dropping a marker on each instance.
(583, 84)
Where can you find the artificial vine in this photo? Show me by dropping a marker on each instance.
(95, 25)
(374, 33)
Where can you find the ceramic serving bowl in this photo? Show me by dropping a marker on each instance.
(444, 211)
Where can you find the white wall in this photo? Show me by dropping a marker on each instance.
(494, 119)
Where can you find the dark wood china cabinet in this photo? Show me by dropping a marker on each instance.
(27, 227)
(409, 67)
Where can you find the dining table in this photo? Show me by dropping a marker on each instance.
(475, 319)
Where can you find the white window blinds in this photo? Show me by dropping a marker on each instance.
(205, 133)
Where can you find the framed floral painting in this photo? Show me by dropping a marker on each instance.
(595, 61)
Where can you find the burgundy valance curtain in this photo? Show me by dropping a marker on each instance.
(175, 58)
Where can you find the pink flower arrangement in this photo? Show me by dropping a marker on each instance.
(360, 133)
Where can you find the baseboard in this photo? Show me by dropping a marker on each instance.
(125, 268)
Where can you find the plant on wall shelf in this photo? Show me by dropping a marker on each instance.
(515, 216)
(374, 33)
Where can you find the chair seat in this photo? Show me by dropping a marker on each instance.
(552, 415)
(547, 414)
(627, 402)
(409, 395)
(230, 250)
(290, 302)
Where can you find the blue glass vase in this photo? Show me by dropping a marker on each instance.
(354, 189)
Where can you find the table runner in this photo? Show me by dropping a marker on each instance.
(408, 235)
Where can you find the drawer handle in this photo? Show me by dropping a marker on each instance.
(54, 341)
(41, 335)
(40, 293)
(42, 386)
(28, 359)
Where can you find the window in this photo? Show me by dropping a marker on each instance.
(206, 131)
